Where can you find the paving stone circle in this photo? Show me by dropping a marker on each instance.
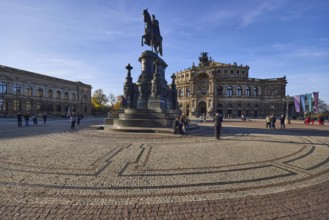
(52, 172)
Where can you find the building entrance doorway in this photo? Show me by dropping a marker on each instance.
(202, 108)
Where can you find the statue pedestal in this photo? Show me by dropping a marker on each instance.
(142, 103)
(157, 104)
(150, 99)
(145, 118)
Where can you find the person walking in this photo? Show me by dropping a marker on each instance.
(73, 119)
(19, 119)
(282, 118)
(218, 124)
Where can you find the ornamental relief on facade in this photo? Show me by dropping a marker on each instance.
(202, 88)
(202, 84)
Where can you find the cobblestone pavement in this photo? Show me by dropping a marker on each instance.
(51, 172)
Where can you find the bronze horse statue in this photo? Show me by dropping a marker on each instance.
(152, 35)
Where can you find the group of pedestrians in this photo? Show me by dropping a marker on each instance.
(26, 117)
(271, 120)
(74, 119)
(181, 122)
(309, 120)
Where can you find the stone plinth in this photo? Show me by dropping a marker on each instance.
(150, 102)
(145, 118)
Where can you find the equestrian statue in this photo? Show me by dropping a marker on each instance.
(152, 35)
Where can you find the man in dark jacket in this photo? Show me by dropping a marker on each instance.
(19, 119)
(218, 124)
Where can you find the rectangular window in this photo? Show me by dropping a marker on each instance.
(279, 90)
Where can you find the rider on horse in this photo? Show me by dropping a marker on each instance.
(152, 35)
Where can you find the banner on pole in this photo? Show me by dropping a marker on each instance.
(316, 100)
(302, 102)
(309, 100)
(297, 103)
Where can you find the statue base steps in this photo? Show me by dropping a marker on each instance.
(145, 118)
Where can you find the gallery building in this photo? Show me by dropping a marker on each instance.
(24, 91)
(212, 86)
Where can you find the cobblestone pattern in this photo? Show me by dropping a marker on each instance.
(308, 203)
(51, 173)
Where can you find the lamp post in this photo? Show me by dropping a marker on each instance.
(286, 99)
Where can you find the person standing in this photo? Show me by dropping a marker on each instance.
(27, 119)
(282, 118)
(273, 120)
(78, 119)
(177, 126)
(44, 116)
(19, 119)
(268, 122)
(218, 124)
(183, 121)
(35, 119)
(73, 120)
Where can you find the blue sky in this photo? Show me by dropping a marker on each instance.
(93, 41)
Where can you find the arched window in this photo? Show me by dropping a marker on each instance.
(58, 94)
(229, 91)
(3, 105)
(16, 89)
(239, 91)
(247, 91)
(73, 96)
(188, 92)
(17, 105)
(50, 94)
(220, 90)
(66, 96)
(255, 91)
(3, 88)
(29, 91)
(40, 92)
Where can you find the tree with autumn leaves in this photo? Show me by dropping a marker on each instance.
(103, 104)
